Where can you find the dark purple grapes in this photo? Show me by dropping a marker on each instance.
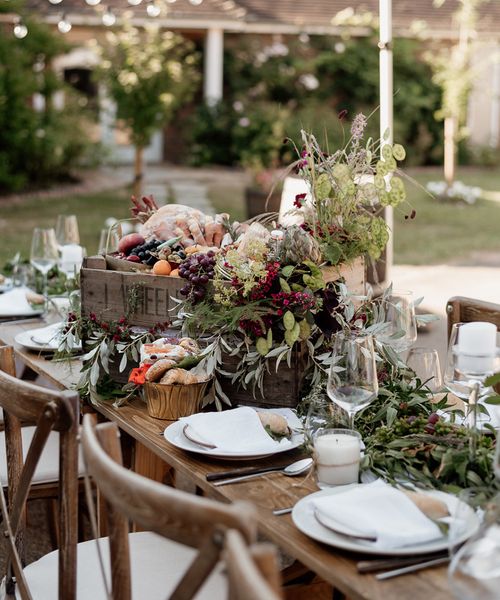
(198, 270)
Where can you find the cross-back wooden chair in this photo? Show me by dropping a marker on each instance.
(464, 310)
(50, 411)
(178, 554)
(252, 571)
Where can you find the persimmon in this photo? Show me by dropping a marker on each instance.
(162, 267)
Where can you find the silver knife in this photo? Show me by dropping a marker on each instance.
(412, 568)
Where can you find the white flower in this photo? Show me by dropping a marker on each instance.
(238, 106)
(309, 81)
(244, 122)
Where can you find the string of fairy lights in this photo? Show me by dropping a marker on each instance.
(154, 8)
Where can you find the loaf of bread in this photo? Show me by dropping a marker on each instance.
(431, 507)
(276, 423)
(158, 369)
(178, 376)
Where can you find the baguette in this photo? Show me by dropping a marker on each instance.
(158, 369)
(276, 423)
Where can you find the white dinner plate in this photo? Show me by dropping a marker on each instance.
(28, 340)
(174, 434)
(6, 285)
(304, 519)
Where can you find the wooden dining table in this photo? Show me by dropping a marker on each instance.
(268, 492)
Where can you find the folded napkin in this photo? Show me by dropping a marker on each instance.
(238, 430)
(14, 304)
(48, 336)
(379, 510)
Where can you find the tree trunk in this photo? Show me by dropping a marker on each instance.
(138, 171)
(449, 149)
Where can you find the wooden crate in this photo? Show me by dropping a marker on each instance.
(107, 294)
(282, 389)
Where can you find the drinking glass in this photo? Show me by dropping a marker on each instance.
(108, 241)
(425, 363)
(401, 331)
(67, 230)
(44, 253)
(352, 380)
(474, 571)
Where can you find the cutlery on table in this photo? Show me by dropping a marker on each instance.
(23, 320)
(277, 512)
(379, 564)
(412, 568)
(293, 470)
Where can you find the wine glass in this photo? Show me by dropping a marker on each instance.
(44, 253)
(352, 380)
(108, 241)
(401, 330)
(67, 230)
(425, 364)
(474, 571)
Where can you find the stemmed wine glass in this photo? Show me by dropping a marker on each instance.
(401, 330)
(352, 380)
(44, 253)
(67, 230)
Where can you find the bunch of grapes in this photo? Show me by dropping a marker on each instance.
(146, 252)
(198, 270)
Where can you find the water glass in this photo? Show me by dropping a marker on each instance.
(425, 364)
(352, 380)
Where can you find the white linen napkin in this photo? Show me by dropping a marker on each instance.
(14, 304)
(48, 336)
(238, 430)
(379, 510)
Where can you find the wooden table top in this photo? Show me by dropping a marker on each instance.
(267, 493)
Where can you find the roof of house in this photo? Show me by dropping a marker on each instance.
(314, 16)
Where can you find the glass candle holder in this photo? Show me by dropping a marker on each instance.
(337, 454)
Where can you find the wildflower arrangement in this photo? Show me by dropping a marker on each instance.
(349, 189)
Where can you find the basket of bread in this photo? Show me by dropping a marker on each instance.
(173, 386)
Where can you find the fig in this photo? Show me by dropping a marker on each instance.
(129, 241)
(133, 258)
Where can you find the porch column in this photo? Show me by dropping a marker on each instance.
(214, 53)
(386, 106)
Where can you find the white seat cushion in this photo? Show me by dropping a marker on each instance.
(47, 469)
(157, 565)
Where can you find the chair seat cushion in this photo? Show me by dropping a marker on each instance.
(157, 565)
(47, 470)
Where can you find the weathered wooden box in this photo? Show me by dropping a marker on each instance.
(144, 298)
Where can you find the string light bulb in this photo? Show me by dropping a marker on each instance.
(134, 2)
(55, 1)
(93, 2)
(196, 2)
(64, 25)
(153, 10)
(20, 30)
(108, 18)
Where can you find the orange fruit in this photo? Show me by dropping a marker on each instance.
(162, 267)
(174, 273)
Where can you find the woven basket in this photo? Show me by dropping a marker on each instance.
(174, 400)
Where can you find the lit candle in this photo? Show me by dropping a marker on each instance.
(337, 456)
(71, 258)
(476, 347)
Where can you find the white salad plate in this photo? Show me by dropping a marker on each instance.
(304, 518)
(175, 435)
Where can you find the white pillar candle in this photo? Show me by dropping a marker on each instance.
(337, 457)
(476, 347)
(71, 258)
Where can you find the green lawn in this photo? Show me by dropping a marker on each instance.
(443, 232)
(18, 220)
(440, 233)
